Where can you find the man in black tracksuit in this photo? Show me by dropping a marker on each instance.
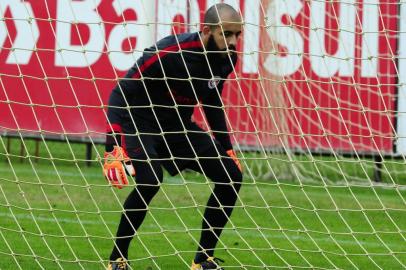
(153, 106)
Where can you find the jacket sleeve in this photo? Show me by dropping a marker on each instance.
(215, 115)
(144, 70)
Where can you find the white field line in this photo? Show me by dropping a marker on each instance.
(180, 180)
(243, 232)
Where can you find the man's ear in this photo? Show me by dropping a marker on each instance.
(206, 30)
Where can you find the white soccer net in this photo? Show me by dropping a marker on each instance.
(317, 113)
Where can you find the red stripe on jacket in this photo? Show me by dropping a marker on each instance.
(116, 128)
(165, 51)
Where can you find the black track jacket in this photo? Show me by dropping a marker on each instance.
(167, 82)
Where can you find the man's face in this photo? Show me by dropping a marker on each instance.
(224, 37)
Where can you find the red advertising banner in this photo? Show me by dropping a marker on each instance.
(311, 75)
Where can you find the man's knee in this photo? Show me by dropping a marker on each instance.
(237, 179)
(232, 170)
(148, 169)
(228, 173)
(148, 173)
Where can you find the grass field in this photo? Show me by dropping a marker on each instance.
(57, 213)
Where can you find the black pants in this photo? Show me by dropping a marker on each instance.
(147, 153)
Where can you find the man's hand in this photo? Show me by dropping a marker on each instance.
(232, 154)
(116, 166)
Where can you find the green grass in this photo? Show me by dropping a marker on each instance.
(57, 213)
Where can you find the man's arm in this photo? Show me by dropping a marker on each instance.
(117, 165)
(122, 96)
(216, 118)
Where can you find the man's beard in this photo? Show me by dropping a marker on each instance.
(217, 55)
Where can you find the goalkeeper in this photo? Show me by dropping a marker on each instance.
(152, 107)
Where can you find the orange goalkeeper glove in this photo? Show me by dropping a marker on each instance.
(116, 166)
(232, 154)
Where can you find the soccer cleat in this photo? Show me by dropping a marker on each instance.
(119, 264)
(210, 264)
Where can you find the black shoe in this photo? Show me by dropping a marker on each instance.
(119, 264)
(210, 264)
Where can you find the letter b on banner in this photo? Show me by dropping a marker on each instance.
(70, 13)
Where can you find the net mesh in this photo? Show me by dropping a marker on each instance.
(314, 107)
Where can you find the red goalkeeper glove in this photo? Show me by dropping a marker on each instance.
(232, 154)
(117, 165)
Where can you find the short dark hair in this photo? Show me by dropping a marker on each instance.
(212, 15)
